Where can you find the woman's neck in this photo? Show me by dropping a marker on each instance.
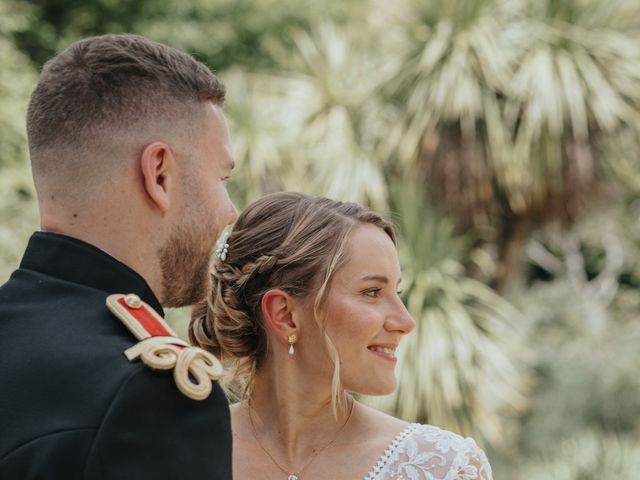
(293, 418)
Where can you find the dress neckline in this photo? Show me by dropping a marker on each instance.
(390, 450)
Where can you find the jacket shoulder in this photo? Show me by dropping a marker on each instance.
(164, 433)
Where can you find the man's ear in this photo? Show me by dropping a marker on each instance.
(276, 308)
(158, 171)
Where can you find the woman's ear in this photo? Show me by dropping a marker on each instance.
(276, 308)
(158, 171)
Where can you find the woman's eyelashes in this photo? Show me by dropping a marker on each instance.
(372, 292)
(375, 292)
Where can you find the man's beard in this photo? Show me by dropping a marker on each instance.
(185, 262)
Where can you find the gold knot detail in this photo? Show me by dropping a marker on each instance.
(193, 368)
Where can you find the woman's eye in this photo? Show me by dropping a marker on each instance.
(373, 293)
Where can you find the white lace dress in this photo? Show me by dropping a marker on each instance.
(424, 452)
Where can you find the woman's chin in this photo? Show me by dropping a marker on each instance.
(375, 390)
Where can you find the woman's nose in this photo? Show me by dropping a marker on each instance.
(401, 320)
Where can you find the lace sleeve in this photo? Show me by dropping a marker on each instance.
(424, 452)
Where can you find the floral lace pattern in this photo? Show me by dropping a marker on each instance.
(425, 452)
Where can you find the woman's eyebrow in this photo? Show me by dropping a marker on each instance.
(379, 278)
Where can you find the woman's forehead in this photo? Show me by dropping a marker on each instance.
(370, 253)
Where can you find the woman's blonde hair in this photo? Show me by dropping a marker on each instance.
(290, 241)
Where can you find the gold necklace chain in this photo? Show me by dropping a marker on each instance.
(295, 475)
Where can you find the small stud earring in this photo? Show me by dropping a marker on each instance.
(292, 339)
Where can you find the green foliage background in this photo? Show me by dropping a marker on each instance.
(501, 136)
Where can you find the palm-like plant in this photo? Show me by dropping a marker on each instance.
(446, 69)
(463, 366)
(503, 102)
(578, 78)
(310, 128)
(337, 145)
(263, 125)
(623, 159)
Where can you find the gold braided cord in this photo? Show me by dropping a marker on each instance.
(202, 366)
(193, 368)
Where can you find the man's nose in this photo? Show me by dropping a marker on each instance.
(233, 214)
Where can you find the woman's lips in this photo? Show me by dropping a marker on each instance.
(386, 352)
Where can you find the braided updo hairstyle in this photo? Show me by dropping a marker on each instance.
(291, 241)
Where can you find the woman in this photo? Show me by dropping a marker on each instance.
(305, 305)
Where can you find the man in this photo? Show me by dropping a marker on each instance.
(130, 152)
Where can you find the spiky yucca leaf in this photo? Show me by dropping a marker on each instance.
(263, 124)
(623, 159)
(337, 145)
(312, 129)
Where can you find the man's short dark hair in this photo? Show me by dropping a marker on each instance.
(110, 84)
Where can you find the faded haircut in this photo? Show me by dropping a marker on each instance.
(109, 91)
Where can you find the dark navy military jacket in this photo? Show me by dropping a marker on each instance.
(71, 405)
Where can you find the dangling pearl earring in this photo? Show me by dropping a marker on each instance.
(292, 340)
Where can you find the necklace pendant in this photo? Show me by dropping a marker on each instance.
(292, 476)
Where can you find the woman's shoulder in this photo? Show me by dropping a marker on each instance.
(428, 452)
(441, 440)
